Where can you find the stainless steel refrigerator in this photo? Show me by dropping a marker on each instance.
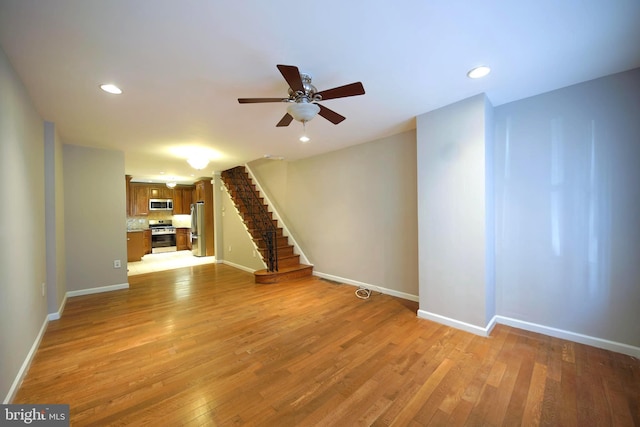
(198, 243)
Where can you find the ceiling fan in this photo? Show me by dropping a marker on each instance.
(304, 97)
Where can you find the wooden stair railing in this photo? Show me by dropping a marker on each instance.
(282, 263)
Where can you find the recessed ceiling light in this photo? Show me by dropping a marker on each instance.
(304, 138)
(479, 72)
(111, 89)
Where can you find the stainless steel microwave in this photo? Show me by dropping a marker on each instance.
(160, 204)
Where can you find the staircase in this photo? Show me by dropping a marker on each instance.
(282, 263)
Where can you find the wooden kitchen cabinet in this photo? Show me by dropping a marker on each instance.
(204, 192)
(182, 200)
(177, 201)
(200, 191)
(160, 192)
(139, 199)
(127, 180)
(135, 246)
(182, 238)
(147, 241)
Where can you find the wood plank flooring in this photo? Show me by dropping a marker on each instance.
(204, 345)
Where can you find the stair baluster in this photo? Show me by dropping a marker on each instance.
(239, 182)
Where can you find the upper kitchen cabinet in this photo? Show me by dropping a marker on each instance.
(139, 199)
(201, 191)
(160, 192)
(182, 200)
(127, 180)
(204, 193)
(138, 195)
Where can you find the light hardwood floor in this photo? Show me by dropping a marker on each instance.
(204, 345)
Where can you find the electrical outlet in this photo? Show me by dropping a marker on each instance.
(44, 289)
(116, 263)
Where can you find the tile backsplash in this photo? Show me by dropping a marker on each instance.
(142, 222)
(136, 223)
(181, 221)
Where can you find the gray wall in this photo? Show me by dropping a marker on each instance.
(557, 209)
(568, 208)
(54, 199)
(23, 308)
(95, 217)
(60, 229)
(353, 211)
(456, 258)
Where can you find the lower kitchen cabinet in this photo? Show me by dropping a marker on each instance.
(135, 246)
(182, 239)
(147, 241)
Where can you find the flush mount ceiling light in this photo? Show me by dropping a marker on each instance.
(171, 184)
(111, 88)
(198, 162)
(478, 72)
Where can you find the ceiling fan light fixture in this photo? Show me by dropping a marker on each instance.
(303, 111)
(198, 162)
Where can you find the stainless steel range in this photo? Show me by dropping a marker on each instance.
(163, 236)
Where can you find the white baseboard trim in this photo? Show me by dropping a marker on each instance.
(380, 289)
(25, 365)
(57, 315)
(238, 266)
(533, 327)
(570, 336)
(98, 290)
(458, 324)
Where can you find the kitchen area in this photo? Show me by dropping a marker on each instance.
(168, 226)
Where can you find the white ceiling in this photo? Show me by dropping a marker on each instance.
(182, 64)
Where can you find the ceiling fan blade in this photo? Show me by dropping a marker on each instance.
(292, 75)
(330, 115)
(285, 120)
(258, 100)
(352, 89)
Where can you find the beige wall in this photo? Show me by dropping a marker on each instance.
(237, 246)
(23, 308)
(95, 217)
(353, 211)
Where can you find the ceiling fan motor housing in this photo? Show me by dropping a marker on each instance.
(310, 91)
